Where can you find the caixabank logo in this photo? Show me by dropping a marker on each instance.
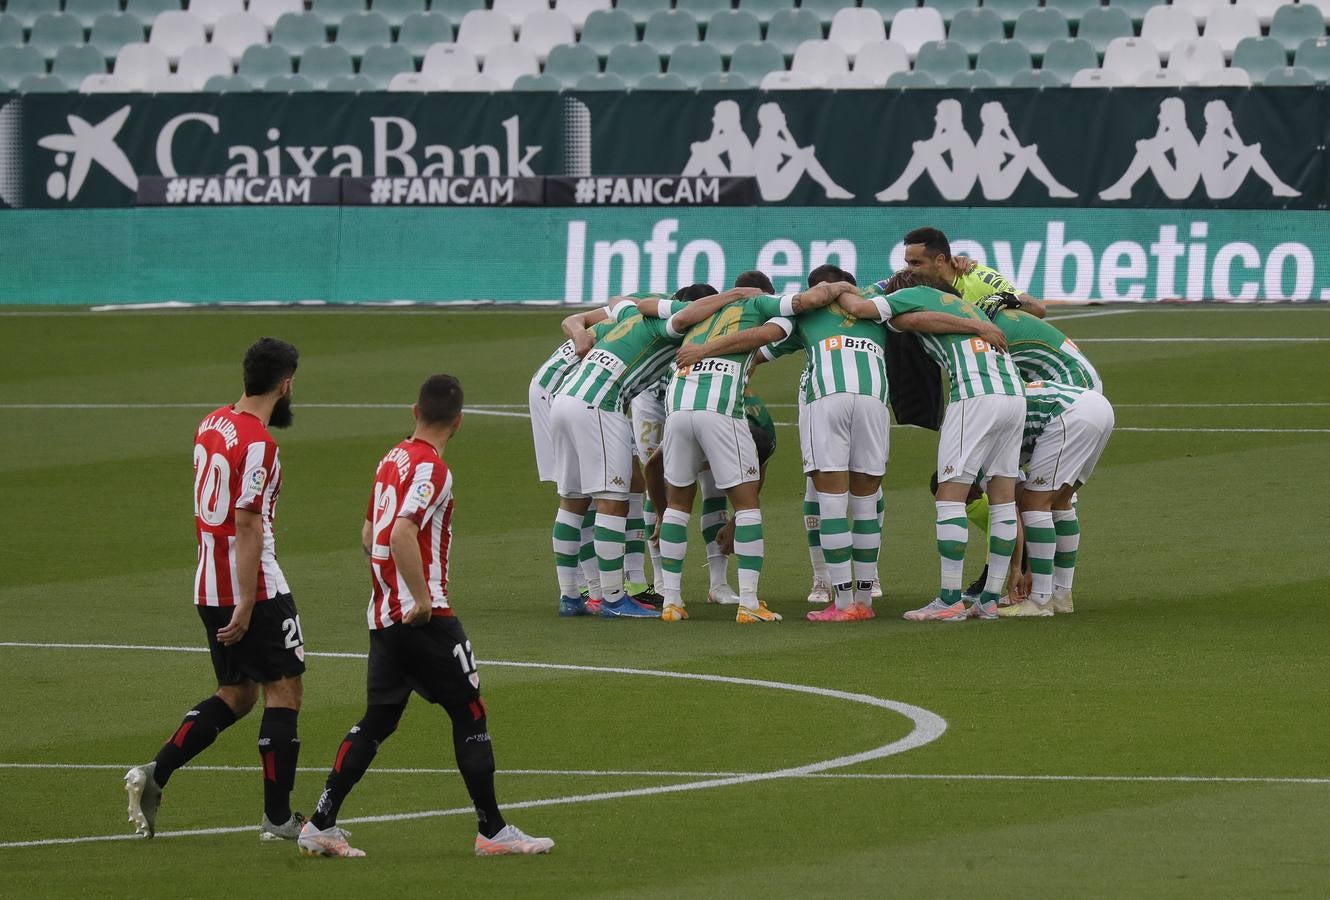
(85, 146)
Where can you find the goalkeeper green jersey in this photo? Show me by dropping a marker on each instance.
(717, 383)
(981, 281)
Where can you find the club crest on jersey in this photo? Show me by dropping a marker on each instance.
(257, 479)
(424, 493)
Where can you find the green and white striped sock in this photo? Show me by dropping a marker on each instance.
(953, 533)
(866, 538)
(813, 529)
(750, 549)
(587, 554)
(634, 552)
(1001, 544)
(673, 548)
(837, 544)
(649, 527)
(567, 540)
(609, 551)
(714, 516)
(1040, 543)
(1068, 528)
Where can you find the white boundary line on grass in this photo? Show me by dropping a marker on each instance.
(928, 727)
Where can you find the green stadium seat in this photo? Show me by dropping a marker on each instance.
(455, 9)
(791, 27)
(642, 10)
(607, 28)
(263, 61)
(18, 63)
(889, 8)
(765, 9)
(1313, 55)
(332, 12)
(537, 83)
(912, 79)
(28, 11)
(1289, 76)
(146, 11)
(1009, 10)
(1066, 57)
(667, 30)
(725, 82)
(360, 31)
(661, 81)
(632, 62)
(702, 10)
(1293, 24)
(942, 59)
(381, 63)
(1003, 60)
(11, 32)
(727, 30)
(972, 80)
(224, 84)
(1036, 78)
(396, 11)
(297, 31)
(949, 8)
(420, 31)
(1040, 27)
(322, 63)
(52, 31)
(693, 62)
(1135, 9)
(601, 81)
(281, 84)
(569, 62)
(87, 11)
(1072, 9)
(74, 64)
(752, 61)
(972, 28)
(113, 31)
(1100, 26)
(1258, 55)
(824, 9)
(43, 84)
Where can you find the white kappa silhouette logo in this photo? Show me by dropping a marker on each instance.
(88, 144)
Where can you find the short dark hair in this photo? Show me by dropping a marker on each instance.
(755, 279)
(267, 361)
(827, 272)
(440, 400)
(694, 292)
(908, 278)
(934, 241)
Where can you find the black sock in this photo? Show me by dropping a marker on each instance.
(279, 750)
(475, 760)
(196, 733)
(353, 759)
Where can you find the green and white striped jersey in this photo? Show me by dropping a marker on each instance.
(634, 353)
(564, 360)
(1043, 353)
(717, 383)
(975, 367)
(1044, 402)
(846, 354)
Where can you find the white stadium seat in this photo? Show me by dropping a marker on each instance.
(786, 81)
(1195, 57)
(516, 11)
(1228, 77)
(136, 63)
(236, 31)
(819, 59)
(1095, 78)
(1201, 9)
(855, 81)
(880, 59)
(506, 64)
(174, 30)
(104, 84)
(853, 27)
(474, 82)
(578, 10)
(1130, 58)
(544, 30)
(168, 84)
(198, 64)
(1165, 78)
(447, 62)
(914, 27)
(268, 11)
(1264, 9)
(413, 81)
(209, 11)
(1230, 24)
(483, 29)
(1166, 26)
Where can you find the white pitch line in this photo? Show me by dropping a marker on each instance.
(1230, 430)
(1091, 315)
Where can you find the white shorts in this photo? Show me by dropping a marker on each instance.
(538, 399)
(648, 423)
(845, 433)
(593, 449)
(1070, 447)
(696, 437)
(981, 434)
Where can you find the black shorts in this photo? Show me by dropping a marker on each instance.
(272, 649)
(764, 441)
(434, 660)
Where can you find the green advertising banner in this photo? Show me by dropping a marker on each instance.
(1257, 148)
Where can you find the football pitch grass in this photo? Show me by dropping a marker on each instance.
(1169, 739)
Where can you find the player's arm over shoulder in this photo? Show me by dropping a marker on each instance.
(996, 282)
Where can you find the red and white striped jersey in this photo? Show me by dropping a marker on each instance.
(235, 467)
(412, 483)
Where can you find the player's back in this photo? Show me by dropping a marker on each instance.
(1043, 353)
(1045, 400)
(717, 382)
(634, 352)
(846, 354)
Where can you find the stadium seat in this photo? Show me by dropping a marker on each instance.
(693, 62)
(545, 29)
(1201, 9)
(764, 10)
(103, 84)
(880, 60)
(642, 10)
(43, 84)
(380, 64)
(17, 63)
(601, 81)
(1096, 78)
(87, 11)
(1161, 78)
(269, 11)
(1313, 55)
(1074, 10)
(1226, 77)
(1229, 25)
(349, 84)
(607, 28)
(819, 59)
(236, 31)
(111, 32)
(569, 62)
(506, 64)
(331, 12)
(360, 31)
(1067, 57)
(29, 11)
(209, 11)
(791, 27)
(730, 28)
(1264, 9)
(951, 8)
(1009, 10)
(1195, 57)
(482, 30)
(972, 28)
(912, 28)
(633, 62)
(786, 81)
(972, 79)
(702, 10)
(136, 63)
(198, 64)
(537, 83)
(1037, 28)
(1101, 26)
(661, 81)
(174, 30)
(421, 31)
(578, 10)
(1135, 9)
(667, 30)
(887, 9)
(1129, 58)
(725, 81)
(320, 64)
(516, 11)
(906, 80)
(851, 28)
(146, 11)
(850, 81)
(1289, 76)
(413, 82)
(73, 64)
(1168, 26)
(1293, 24)
(396, 11)
(1258, 55)
(261, 62)
(455, 9)
(296, 31)
(1037, 78)
(168, 84)
(942, 59)
(1003, 60)
(752, 61)
(823, 9)
(52, 31)
(11, 32)
(223, 84)
(445, 63)
(287, 84)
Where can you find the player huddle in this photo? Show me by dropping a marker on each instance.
(648, 399)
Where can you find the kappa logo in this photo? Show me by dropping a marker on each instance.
(88, 144)
(617, 481)
(948, 470)
(751, 471)
(1041, 480)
